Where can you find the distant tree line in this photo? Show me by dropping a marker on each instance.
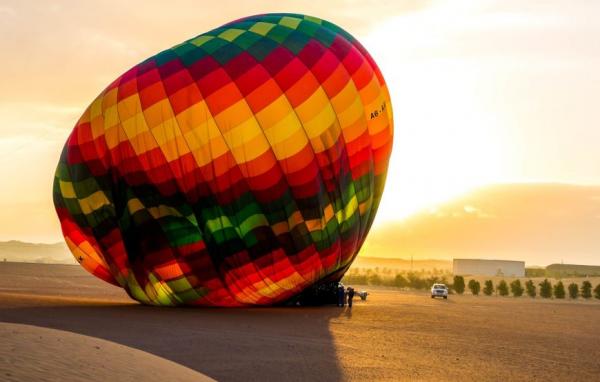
(558, 271)
(423, 280)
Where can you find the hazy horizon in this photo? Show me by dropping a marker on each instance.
(503, 222)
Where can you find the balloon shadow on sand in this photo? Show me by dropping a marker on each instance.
(279, 343)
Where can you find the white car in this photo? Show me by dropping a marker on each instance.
(439, 290)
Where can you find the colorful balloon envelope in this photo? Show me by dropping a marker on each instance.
(240, 167)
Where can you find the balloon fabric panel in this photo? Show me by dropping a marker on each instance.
(237, 168)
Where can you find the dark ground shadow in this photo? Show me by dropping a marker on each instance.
(282, 343)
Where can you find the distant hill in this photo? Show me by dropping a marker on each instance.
(401, 264)
(14, 250)
(538, 223)
(572, 270)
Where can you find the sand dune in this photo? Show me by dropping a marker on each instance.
(19, 251)
(393, 336)
(31, 353)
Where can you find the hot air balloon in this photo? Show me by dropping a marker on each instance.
(240, 167)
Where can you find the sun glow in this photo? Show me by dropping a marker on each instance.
(445, 143)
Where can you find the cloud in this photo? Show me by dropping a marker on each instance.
(93, 41)
(474, 211)
(37, 120)
(7, 12)
(539, 223)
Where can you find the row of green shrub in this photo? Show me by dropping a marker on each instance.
(517, 289)
(423, 280)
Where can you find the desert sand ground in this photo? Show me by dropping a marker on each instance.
(56, 320)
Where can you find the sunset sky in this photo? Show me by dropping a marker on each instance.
(483, 92)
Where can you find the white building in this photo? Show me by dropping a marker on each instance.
(480, 267)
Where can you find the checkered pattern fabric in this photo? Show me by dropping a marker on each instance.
(237, 168)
